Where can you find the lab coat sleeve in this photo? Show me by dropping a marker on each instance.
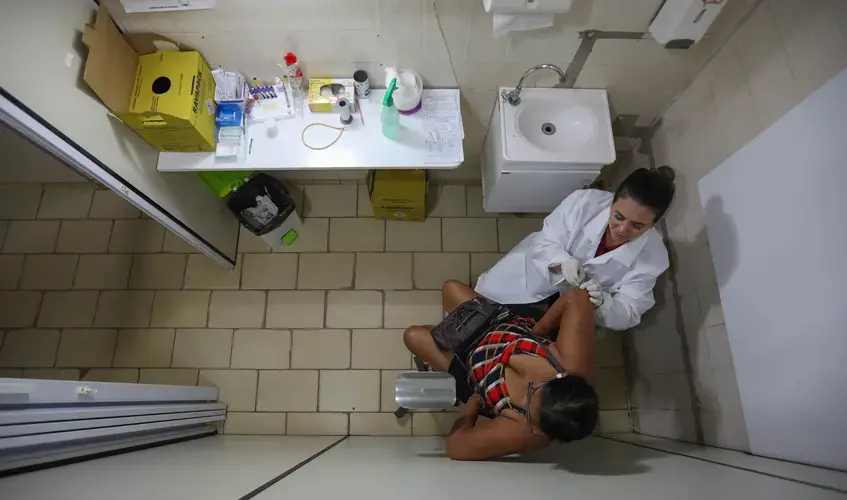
(622, 309)
(549, 248)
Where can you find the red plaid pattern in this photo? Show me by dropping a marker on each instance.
(487, 362)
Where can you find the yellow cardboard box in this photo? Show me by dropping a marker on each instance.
(172, 103)
(398, 194)
(167, 96)
(325, 92)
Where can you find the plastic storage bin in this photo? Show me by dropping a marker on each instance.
(266, 208)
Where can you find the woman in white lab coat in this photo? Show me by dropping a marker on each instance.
(602, 242)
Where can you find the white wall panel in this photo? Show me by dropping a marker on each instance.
(774, 214)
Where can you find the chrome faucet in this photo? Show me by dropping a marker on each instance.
(514, 97)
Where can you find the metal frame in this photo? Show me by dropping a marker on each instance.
(74, 425)
(35, 415)
(37, 456)
(10, 443)
(42, 421)
(21, 119)
(15, 391)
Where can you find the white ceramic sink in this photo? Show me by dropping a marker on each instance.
(540, 151)
(563, 126)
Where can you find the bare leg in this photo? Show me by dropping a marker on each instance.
(419, 341)
(455, 293)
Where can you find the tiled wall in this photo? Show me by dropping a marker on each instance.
(336, 37)
(784, 51)
(303, 341)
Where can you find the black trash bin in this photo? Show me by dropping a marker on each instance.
(267, 209)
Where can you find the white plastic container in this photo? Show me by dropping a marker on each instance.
(407, 97)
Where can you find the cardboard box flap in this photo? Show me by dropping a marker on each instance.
(110, 66)
(150, 43)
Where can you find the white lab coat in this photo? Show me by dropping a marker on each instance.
(575, 229)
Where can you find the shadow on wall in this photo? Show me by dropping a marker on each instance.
(723, 225)
(675, 365)
(708, 412)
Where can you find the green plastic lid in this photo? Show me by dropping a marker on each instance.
(224, 183)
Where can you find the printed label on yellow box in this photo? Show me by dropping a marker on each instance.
(168, 104)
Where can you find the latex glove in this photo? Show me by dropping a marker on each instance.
(595, 292)
(572, 272)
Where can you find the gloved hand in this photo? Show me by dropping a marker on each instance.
(572, 272)
(595, 292)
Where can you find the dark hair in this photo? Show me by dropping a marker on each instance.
(568, 408)
(651, 188)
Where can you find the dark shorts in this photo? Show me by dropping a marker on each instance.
(458, 368)
(535, 311)
(458, 365)
(448, 329)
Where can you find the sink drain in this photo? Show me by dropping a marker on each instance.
(548, 129)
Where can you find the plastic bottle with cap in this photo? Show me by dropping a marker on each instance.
(295, 75)
(390, 116)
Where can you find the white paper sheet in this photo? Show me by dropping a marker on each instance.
(443, 125)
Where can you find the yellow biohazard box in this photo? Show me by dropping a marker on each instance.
(398, 194)
(172, 104)
(167, 96)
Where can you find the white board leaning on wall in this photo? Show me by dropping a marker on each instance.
(776, 213)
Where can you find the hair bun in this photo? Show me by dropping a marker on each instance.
(667, 172)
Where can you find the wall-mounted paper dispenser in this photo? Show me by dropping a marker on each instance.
(526, 6)
(682, 23)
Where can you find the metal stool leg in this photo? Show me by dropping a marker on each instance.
(420, 364)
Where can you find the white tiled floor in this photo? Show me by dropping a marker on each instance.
(306, 341)
(215, 468)
(593, 468)
(227, 467)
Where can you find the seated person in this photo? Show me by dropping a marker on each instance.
(535, 390)
(602, 242)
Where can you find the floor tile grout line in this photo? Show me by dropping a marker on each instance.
(326, 308)
(58, 346)
(290, 471)
(115, 349)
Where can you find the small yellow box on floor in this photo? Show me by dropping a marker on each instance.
(398, 194)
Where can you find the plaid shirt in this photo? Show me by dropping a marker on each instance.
(488, 361)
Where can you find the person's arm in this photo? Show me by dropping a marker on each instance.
(550, 320)
(623, 308)
(576, 333)
(548, 252)
(496, 438)
(633, 294)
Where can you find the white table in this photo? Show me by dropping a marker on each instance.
(362, 146)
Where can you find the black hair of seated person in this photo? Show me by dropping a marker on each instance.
(569, 408)
(652, 188)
